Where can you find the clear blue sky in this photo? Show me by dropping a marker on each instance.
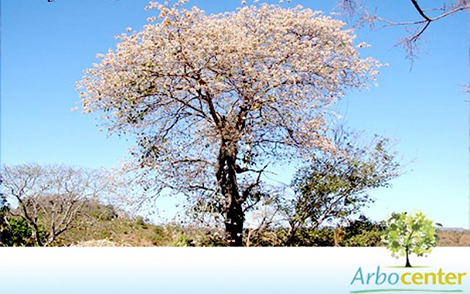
(46, 46)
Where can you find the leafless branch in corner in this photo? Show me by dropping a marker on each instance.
(411, 43)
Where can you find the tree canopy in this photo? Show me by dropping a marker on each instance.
(45, 200)
(214, 99)
(335, 187)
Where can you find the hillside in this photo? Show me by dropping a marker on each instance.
(454, 237)
(103, 226)
(102, 222)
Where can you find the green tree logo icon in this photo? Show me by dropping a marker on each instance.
(407, 234)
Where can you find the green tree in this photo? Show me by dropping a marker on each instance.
(13, 230)
(407, 234)
(335, 186)
(363, 232)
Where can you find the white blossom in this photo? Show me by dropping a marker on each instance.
(260, 78)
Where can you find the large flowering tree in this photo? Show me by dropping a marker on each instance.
(214, 99)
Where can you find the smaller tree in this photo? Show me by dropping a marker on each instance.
(45, 200)
(407, 234)
(335, 186)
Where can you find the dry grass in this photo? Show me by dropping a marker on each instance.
(98, 243)
(454, 238)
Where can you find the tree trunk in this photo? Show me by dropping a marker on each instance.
(407, 258)
(234, 225)
(37, 236)
(292, 231)
(227, 179)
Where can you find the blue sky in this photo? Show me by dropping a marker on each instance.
(46, 46)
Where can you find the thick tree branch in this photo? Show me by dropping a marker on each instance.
(420, 11)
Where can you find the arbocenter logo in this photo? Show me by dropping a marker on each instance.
(406, 280)
(406, 235)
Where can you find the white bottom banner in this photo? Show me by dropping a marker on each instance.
(230, 270)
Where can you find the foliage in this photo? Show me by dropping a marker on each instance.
(335, 186)
(359, 232)
(140, 221)
(408, 234)
(17, 233)
(363, 233)
(182, 241)
(214, 99)
(3, 213)
(13, 231)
